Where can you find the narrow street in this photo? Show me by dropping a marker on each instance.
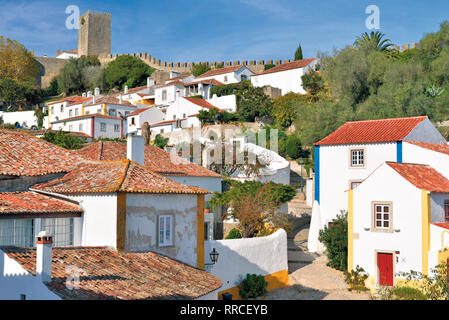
(310, 277)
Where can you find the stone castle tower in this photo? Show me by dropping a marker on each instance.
(94, 34)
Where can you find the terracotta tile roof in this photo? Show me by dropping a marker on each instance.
(177, 82)
(78, 100)
(162, 123)
(372, 131)
(442, 225)
(422, 176)
(23, 154)
(71, 100)
(287, 66)
(92, 115)
(202, 103)
(156, 159)
(107, 274)
(216, 72)
(212, 82)
(183, 76)
(110, 99)
(441, 148)
(138, 111)
(34, 204)
(114, 176)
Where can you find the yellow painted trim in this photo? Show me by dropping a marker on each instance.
(105, 109)
(425, 200)
(83, 110)
(350, 230)
(121, 221)
(275, 281)
(200, 231)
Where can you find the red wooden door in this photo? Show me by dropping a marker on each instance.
(385, 265)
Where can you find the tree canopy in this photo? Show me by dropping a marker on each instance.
(199, 69)
(298, 53)
(16, 62)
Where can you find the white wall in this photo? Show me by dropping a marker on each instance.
(228, 103)
(142, 211)
(231, 77)
(25, 118)
(14, 281)
(237, 257)
(385, 184)
(152, 115)
(415, 154)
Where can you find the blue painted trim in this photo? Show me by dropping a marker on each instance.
(317, 173)
(399, 151)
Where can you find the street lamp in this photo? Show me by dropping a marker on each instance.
(213, 257)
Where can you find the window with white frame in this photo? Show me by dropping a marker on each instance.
(116, 128)
(80, 127)
(62, 108)
(76, 111)
(164, 95)
(165, 231)
(382, 217)
(17, 232)
(61, 229)
(112, 112)
(70, 112)
(357, 158)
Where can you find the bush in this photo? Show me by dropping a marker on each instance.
(408, 293)
(335, 238)
(293, 147)
(63, 140)
(233, 234)
(253, 286)
(355, 279)
(199, 69)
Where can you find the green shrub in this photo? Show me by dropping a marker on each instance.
(293, 147)
(253, 286)
(335, 238)
(234, 234)
(408, 293)
(63, 140)
(355, 279)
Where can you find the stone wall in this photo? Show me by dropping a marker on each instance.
(94, 34)
(48, 69)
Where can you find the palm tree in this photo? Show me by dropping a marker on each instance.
(374, 40)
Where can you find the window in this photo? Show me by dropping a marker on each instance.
(116, 128)
(174, 117)
(76, 111)
(164, 95)
(206, 230)
(61, 229)
(17, 232)
(225, 78)
(112, 112)
(98, 110)
(52, 110)
(183, 115)
(244, 77)
(133, 121)
(162, 131)
(70, 128)
(354, 183)
(165, 231)
(382, 217)
(80, 127)
(70, 112)
(446, 211)
(62, 108)
(86, 112)
(357, 158)
(103, 126)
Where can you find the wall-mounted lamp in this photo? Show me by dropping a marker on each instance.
(397, 230)
(367, 229)
(213, 257)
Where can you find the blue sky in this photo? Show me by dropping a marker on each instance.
(216, 30)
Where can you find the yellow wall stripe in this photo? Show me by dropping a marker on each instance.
(425, 199)
(350, 230)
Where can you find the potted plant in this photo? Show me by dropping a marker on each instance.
(206, 207)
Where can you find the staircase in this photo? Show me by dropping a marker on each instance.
(297, 206)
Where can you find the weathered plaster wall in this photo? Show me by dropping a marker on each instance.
(142, 213)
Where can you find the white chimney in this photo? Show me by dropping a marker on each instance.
(97, 91)
(120, 98)
(44, 253)
(84, 94)
(93, 100)
(136, 149)
(89, 93)
(126, 89)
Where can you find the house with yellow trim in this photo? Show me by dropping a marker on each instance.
(398, 221)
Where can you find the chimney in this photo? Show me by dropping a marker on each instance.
(44, 253)
(89, 93)
(126, 89)
(84, 94)
(150, 82)
(93, 100)
(136, 149)
(97, 91)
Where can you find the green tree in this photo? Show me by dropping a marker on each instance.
(373, 41)
(284, 109)
(298, 53)
(11, 92)
(16, 62)
(126, 70)
(64, 140)
(313, 83)
(160, 141)
(72, 77)
(200, 68)
(335, 239)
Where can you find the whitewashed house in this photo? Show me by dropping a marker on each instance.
(137, 118)
(69, 54)
(286, 77)
(166, 94)
(350, 154)
(227, 75)
(398, 222)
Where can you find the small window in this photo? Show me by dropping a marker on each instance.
(382, 217)
(162, 131)
(116, 128)
(225, 78)
(174, 117)
(80, 127)
(103, 126)
(165, 231)
(112, 112)
(357, 158)
(76, 111)
(446, 211)
(86, 112)
(183, 115)
(133, 121)
(62, 108)
(70, 112)
(244, 77)
(52, 110)
(354, 184)
(164, 95)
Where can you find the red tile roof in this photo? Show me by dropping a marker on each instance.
(177, 82)
(422, 176)
(372, 131)
(441, 148)
(138, 111)
(216, 72)
(71, 100)
(78, 100)
(114, 176)
(29, 203)
(110, 99)
(212, 82)
(287, 66)
(202, 103)
(23, 154)
(162, 123)
(442, 225)
(107, 274)
(156, 159)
